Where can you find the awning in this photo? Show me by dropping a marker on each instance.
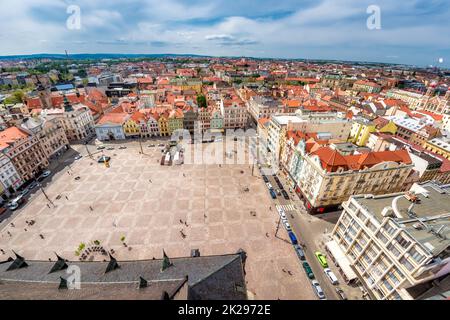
(341, 260)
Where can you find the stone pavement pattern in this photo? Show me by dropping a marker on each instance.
(140, 200)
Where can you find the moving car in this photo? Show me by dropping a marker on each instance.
(331, 276)
(285, 194)
(300, 252)
(321, 258)
(293, 238)
(318, 289)
(308, 270)
(341, 293)
(78, 157)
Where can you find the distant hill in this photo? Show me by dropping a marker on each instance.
(95, 56)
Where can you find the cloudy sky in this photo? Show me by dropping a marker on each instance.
(412, 31)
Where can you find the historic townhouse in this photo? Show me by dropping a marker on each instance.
(175, 121)
(25, 152)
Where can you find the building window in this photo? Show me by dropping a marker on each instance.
(406, 264)
(402, 241)
(393, 250)
(381, 237)
(418, 257)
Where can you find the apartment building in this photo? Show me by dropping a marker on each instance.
(234, 113)
(325, 124)
(398, 244)
(439, 146)
(362, 129)
(25, 152)
(77, 120)
(263, 107)
(9, 177)
(50, 133)
(413, 99)
(366, 86)
(324, 176)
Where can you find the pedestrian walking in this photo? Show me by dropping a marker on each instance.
(67, 198)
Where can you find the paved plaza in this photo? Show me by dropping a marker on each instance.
(138, 202)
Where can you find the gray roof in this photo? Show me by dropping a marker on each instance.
(209, 277)
(433, 211)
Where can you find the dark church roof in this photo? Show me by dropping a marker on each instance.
(195, 278)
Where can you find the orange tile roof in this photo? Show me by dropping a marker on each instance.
(331, 159)
(117, 118)
(10, 135)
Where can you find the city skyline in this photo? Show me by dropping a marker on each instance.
(289, 30)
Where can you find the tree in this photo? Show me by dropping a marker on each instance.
(201, 101)
(17, 97)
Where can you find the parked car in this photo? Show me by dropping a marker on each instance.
(110, 148)
(279, 192)
(25, 191)
(341, 293)
(293, 238)
(122, 147)
(287, 226)
(266, 180)
(100, 147)
(161, 145)
(322, 260)
(16, 202)
(331, 276)
(269, 186)
(78, 157)
(151, 146)
(273, 194)
(46, 173)
(285, 194)
(300, 252)
(32, 185)
(318, 289)
(308, 270)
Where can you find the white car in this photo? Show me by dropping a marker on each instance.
(331, 276)
(287, 226)
(318, 289)
(269, 186)
(46, 173)
(78, 157)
